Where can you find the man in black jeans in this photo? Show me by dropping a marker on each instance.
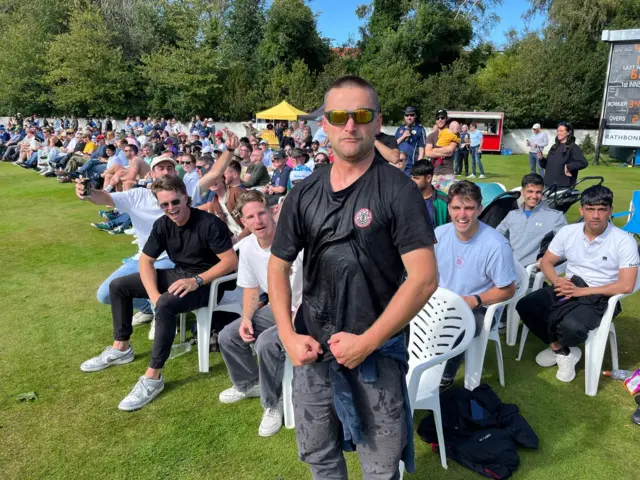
(602, 261)
(199, 244)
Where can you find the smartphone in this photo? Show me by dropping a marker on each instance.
(86, 182)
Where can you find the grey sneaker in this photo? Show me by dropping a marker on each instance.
(110, 356)
(141, 317)
(145, 390)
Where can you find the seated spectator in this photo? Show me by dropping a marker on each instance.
(267, 153)
(244, 153)
(321, 159)
(402, 161)
(200, 247)
(12, 145)
(277, 188)
(287, 139)
(232, 174)
(203, 165)
(436, 201)
(261, 376)
(602, 261)
(224, 206)
(126, 178)
(300, 171)
(526, 227)
(191, 178)
(147, 154)
(257, 174)
(474, 261)
(140, 208)
(80, 157)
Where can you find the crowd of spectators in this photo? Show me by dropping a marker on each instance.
(190, 194)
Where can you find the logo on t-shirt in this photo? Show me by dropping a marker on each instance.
(459, 262)
(363, 218)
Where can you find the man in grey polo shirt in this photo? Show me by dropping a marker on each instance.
(602, 261)
(526, 227)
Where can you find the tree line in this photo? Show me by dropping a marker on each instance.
(228, 59)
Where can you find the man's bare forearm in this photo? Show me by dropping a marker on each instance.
(389, 154)
(250, 302)
(216, 171)
(149, 277)
(278, 278)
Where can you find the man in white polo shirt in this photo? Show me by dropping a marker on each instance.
(602, 261)
(250, 378)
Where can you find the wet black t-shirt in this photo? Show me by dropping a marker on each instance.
(193, 247)
(353, 241)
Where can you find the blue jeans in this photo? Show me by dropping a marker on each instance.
(533, 162)
(475, 158)
(131, 266)
(120, 220)
(92, 167)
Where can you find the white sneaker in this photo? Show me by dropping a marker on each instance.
(471, 176)
(141, 317)
(129, 231)
(546, 358)
(233, 395)
(482, 176)
(152, 330)
(271, 421)
(567, 365)
(134, 242)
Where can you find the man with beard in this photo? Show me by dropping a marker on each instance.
(411, 138)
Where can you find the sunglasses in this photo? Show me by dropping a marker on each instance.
(409, 114)
(441, 118)
(185, 163)
(361, 116)
(200, 167)
(172, 203)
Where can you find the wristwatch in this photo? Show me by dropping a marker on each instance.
(199, 280)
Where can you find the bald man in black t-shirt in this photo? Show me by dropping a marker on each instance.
(362, 224)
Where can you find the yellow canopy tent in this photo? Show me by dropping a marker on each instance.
(282, 111)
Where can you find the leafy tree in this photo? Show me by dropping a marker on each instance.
(291, 33)
(86, 73)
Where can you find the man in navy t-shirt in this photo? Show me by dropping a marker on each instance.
(411, 138)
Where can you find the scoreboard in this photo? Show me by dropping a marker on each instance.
(620, 114)
(622, 104)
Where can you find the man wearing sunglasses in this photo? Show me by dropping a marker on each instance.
(364, 228)
(411, 138)
(443, 176)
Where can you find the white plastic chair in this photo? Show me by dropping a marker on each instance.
(513, 319)
(287, 394)
(231, 302)
(596, 343)
(434, 331)
(474, 355)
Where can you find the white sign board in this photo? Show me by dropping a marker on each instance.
(621, 138)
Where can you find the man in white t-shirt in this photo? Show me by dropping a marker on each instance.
(474, 261)
(143, 209)
(249, 377)
(191, 178)
(602, 261)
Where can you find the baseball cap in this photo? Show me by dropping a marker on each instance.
(536, 126)
(207, 149)
(279, 155)
(161, 159)
(264, 142)
(218, 133)
(296, 152)
(100, 137)
(410, 110)
(442, 113)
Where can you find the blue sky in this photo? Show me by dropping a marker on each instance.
(337, 19)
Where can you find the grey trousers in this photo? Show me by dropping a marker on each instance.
(380, 406)
(243, 368)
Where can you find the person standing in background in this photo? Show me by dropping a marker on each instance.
(411, 138)
(475, 147)
(536, 144)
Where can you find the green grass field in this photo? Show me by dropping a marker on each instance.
(50, 322)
